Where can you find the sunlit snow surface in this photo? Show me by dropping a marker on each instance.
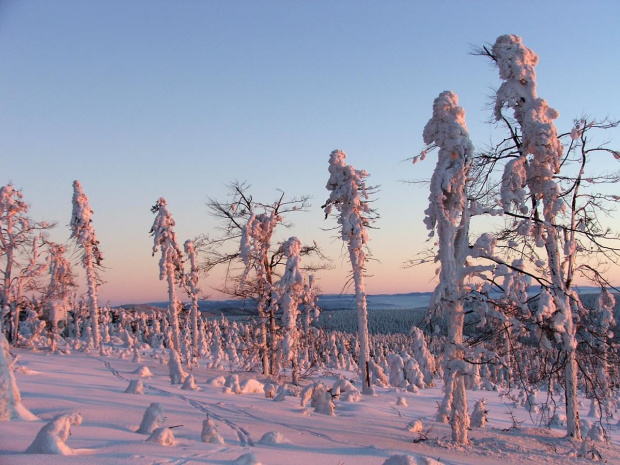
(367, 432)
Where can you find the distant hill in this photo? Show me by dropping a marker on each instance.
(233, 307)
(328, 302)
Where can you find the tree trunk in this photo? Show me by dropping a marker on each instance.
(91, 280)
(357, 258)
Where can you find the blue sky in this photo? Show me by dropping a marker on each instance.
(154, 98)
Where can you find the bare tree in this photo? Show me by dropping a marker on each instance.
(245, 248)
(554, 219)
(20, 264)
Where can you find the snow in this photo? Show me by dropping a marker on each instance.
(368, 432)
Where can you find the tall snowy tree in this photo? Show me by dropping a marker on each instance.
(540, 159)
(449, 214)
(349, 195)
(84, 234)
(170, 263)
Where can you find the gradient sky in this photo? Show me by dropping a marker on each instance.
(148, 98)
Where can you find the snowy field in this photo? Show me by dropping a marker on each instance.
(364, 432)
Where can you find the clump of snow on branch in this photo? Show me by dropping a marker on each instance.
(448, 130)
(81, 223)
(165, 238)
(516, 64)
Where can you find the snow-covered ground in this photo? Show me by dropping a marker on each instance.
(367, 432)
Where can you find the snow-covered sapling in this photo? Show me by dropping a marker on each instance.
(152, 419)
(162, 436)
(135, 387)
(210, 432)
(170, 263)
(84, 234)
(177, 374)
(479, 415)
(52, 437)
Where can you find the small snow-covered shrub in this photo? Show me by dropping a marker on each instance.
(218, 381)
(162, 436)
(135, 387)
(400, 400)
(152, 419)
(232, 386)
(177, 375)
(143, 372)
(252, 386)
(210, 433)
(285, 390)
(190, 383)
(322, 400)
(479, 415)
(400, 460)
(51, 438)
(345, 391)
(415, 426)
(270, 390)
(273, 438)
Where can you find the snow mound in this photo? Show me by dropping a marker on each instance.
(190, 383)
(247, 459)
(135, 387)
(218, 381)
(415, 426)
(400, 400)
(345, 391)
(408, 460)
(51, 438)
(162, 436)
(252, 386)
(143, 372)
(273, 438)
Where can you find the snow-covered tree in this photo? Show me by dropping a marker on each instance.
(532, 192)
(449, 214)
(191, 285)
(84, 234)
(170, 263)
(290, 290)
(251, 254)
(255, 244)
(20, 242)
(61, 285)
(349, 195)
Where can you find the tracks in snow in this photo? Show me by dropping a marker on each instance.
(242, 433)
